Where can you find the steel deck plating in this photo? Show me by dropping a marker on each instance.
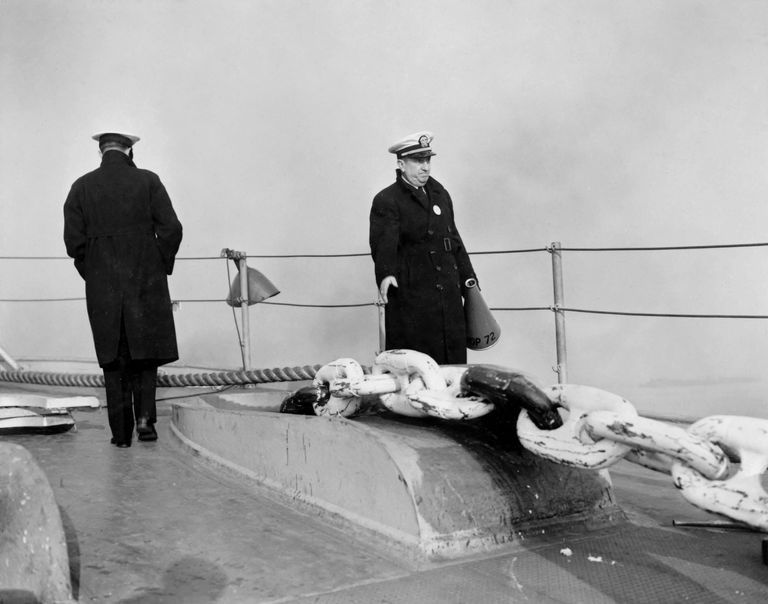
(157, 524)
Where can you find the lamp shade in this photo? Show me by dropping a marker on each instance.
(259, 288)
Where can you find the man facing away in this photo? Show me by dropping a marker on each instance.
(122, 231)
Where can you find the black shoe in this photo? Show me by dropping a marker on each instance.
(146, 431)
(123, 445)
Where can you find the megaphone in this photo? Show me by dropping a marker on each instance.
(483, 331)
(259, 288)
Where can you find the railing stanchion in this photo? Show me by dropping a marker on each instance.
(9, 360)
(557, 279)
(243, 271)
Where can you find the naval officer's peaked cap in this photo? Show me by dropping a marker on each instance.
(116, 136)
(418, 144)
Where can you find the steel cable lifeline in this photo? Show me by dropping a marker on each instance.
(631, 314)
(510, 251)
(556, 308)
(662, 247)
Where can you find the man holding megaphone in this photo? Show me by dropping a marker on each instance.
(422, 268)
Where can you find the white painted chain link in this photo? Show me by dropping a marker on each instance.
(570, 444)
(340, 376)
(601, 430)
(740, 496)
(404, 381)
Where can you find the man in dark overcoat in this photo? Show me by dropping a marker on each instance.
(421, 264)
(123, 233)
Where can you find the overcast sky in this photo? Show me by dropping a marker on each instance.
(600, 123)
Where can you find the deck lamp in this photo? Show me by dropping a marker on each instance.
(250, 287)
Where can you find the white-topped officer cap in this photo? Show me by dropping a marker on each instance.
(117, 136)
(418, 144)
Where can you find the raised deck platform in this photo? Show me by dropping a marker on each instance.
(434, 489)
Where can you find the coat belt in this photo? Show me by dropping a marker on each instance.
(128, 231)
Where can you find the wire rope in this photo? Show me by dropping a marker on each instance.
(486, 252)
(654, 314)
(216, 378)
(661, 247)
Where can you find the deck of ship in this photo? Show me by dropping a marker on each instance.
(155, 523)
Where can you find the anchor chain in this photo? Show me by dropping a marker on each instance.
(410, 383)
(717, 463)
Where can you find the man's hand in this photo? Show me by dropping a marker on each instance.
(384, 287)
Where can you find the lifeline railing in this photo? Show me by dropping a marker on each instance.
(558, 308)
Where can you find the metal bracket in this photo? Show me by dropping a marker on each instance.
(232, 254)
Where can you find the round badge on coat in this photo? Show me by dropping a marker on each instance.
(436, 209)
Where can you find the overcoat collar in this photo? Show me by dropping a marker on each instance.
(113, 157)
(431, 186)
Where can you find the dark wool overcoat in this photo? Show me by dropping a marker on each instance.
(414, 238)
(122, 231)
